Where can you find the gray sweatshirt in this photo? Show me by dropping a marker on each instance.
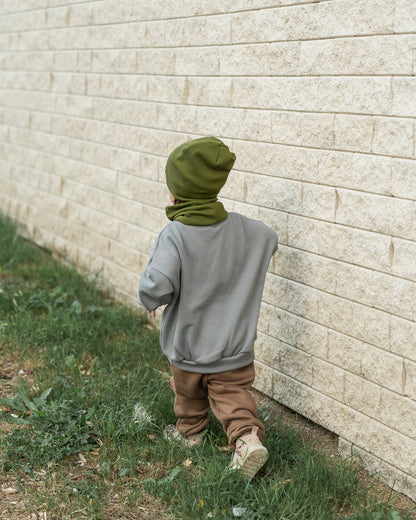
(211, 278)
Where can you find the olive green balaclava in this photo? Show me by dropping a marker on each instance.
(195, 173)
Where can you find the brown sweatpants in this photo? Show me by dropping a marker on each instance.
(226, 394)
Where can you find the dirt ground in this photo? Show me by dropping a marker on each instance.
(14, 503)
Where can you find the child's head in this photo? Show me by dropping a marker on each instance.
(198, 169)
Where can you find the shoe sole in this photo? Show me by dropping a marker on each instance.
(253, 460)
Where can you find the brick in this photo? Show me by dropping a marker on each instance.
(142, 190)
(119, 277)
(404, 96)
(160, 61)
(358, 321)
(381, 291)
(275, 193)
(353, 133)
(266, 349)
(403, 174)
(327, 378)
(239, 207)
(303, 129)
(265, 318)
(360, 94)
(251, 60)
(369, 55)
(135, 236)
(295, 363)
(385, 443)
(362, 395)
(93, 220)
(306, 268)
(403, 337)
(318, 202)
(398, 412)
(352, 282)
(393, 137)
(404, 16)
(291, 296)
(410, 380)
(299, 332)
(124, 256)
(340, 243)
(275, 219)
(264, 379)
(403, 254)
(387, 215)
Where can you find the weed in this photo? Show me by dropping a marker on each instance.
(50, 430)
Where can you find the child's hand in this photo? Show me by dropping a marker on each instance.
(152, 313)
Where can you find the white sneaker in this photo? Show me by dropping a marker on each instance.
(250, 455)
(171, 433)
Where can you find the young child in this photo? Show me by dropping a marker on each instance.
(208, 267)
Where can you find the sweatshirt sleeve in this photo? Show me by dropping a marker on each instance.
(160, 279)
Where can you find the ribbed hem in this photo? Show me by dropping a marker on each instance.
(222, 365)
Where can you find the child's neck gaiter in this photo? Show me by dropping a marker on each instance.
(195, 173)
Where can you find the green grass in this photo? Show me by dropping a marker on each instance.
(89, 361)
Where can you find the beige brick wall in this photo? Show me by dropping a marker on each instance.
(318, 101)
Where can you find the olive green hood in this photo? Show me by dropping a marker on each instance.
(195, 173)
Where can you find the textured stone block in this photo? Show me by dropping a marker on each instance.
(294, 330)
(353, 133)
(306, 268)
(393, 136)
(403, 182)
(398, 412)
(356, 320)
(363, 56)
(403, 337)
(403, 253)
(279, 194)
(388, 445)
(362, 395)
(410, 380)
(295, 363)
(404, 16)
(291, 296)
(387, 215)
(266, 349)
(381, 291)
(404, 96)
(303, 129)
(142, 190)
(264, 378)
(327, 378)
(341, 243)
